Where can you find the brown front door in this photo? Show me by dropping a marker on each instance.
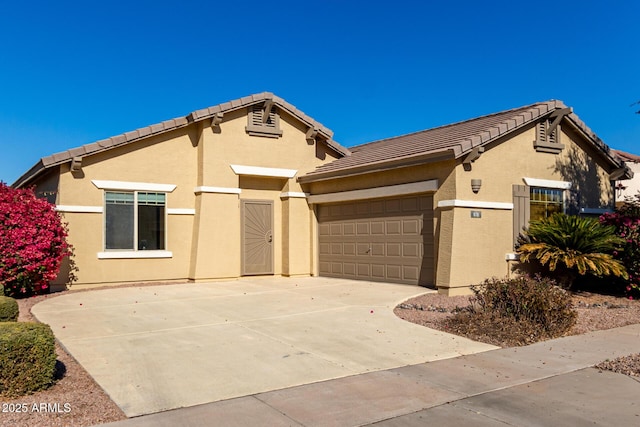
(257, 237)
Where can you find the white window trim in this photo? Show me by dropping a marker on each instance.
(119, 254)
(547, 183)
(135, 249)
(218, 190)
(261, 171)
(456, 203)
(79, 209)
(180, 211)
(133, 186)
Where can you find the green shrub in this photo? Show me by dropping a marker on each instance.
(27, 358)
(581, 245)
(8, 309)
(516, 311)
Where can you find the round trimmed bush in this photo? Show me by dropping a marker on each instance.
(9, 310)
(27, 358)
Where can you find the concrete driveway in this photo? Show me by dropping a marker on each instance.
(164, 347)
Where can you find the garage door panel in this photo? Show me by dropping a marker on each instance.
(362, 228)
(382, 240)
(411, 250)
(377, 249)
(363, 270)
(377, 227)
(410, 226)
(394, 249)
(393, 227)
(378, 271)
(349, 249)
(410, 273)
(349, 229)
(323, 230)
(410, 204)
(394, 272)
(376, 207)
(349, 269)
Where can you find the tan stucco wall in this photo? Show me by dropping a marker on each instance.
(206, 245)
(479, 245)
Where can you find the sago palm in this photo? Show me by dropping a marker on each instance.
(580, 244)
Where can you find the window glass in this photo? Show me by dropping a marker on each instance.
(151, 221)
(545, 202)
(119, 214)
(135, 217)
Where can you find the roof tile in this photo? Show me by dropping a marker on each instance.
(168, 125)
(118, 139)
(460, 137)
(129, 136)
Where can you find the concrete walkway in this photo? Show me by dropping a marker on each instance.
(545, 384)
(163, 347)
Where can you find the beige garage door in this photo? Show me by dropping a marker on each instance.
(381, 240)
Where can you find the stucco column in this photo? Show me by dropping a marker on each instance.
(296, 236)
(216, 237)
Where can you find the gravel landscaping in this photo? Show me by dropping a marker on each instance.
(595, 312)
(77, 400)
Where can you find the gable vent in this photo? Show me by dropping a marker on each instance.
(259, 125)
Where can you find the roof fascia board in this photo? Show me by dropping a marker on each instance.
(578, 125)
(447, 154)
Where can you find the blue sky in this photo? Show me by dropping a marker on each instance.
(74, 72)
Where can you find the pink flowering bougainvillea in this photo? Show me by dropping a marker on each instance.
(626, 219)
(32, 242)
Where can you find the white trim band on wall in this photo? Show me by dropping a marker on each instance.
(547, 183)
(180, 211)
(134, 254)
(378, 192)
(474, 204)
(261, 171)
(220, 190)
(133, 186)
(293, 194)
(79, 209)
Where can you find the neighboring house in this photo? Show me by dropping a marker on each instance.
(256, 187)
(629, 188)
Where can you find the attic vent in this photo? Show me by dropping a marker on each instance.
(263, 120)
(547, 138)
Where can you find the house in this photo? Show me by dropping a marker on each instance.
(629, 188)
(256, 187)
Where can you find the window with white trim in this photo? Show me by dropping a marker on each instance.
(545, 202)
(135, 220)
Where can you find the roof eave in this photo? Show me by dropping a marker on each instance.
(30, 175)
(177, 123)
(438, 156)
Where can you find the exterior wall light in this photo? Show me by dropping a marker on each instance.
(475, 185)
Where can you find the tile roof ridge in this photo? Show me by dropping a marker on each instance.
(552, 102)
